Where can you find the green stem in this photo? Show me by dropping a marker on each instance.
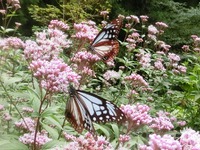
(38, 119)
(11, 102)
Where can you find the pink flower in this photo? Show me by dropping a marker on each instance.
(48, 45)
(3, 11)
(190, 139)
(87, 142)
(144, 18)
(137, 80)
(135, 19)
(152, 30)
(28, 139)
(124, 138)
(173, 57)
(104, 13)
(84, 61)
(159, 65)
(1, 107)
(144, 58)
(7, 117)
(186, 48)
(162, 123)
(161, 25)
(181, 123)
(156, 142)
(54, 75)
(137, 115)
(111, 75)
(182, 69)
(58, 24)
(85, 31)
(27, 109)
(11, 43)
(26, 124)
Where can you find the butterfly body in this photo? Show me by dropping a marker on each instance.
(106, 45)
(84, 108)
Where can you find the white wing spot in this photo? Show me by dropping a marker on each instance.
(100, 118)
(107, 116)
(94, 118)
(102, 107)
(105, 112)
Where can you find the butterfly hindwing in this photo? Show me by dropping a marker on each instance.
(101, 110)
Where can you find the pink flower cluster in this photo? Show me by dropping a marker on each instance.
(27, 109)
(11, 43)
(48, 45)
(137, 80)
(137, 115)
(162, 46)
(144, 18)
(14, 3)
(190, 139)
(58, 24)
(132, 40)
(83, 62)
(111, 75)
(1, 107)
(54, 75)
(7, 117)
(87, 142)
(159, 65)
(85, 31)
(144, 58)
(27, 124)
(156, 142)
(41, 139)
(124, 138)
(162, 123)
(174, 59)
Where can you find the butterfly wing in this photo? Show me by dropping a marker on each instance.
(105, 45)
(77, 115)
(101, 110)
(83, 108)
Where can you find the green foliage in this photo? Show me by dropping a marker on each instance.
(44, 15)
(82, 10)
(183, 21)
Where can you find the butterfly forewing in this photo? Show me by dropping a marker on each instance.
(77, 114)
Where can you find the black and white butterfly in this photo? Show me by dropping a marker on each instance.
(105, 44)
(84, 108)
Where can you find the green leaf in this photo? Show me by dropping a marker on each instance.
(12, 145)
(103, 129)
(52, 144)
(115, 129)
(53, 132)
(54, 121)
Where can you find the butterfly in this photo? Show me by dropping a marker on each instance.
(84, 108)
(105, 44)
